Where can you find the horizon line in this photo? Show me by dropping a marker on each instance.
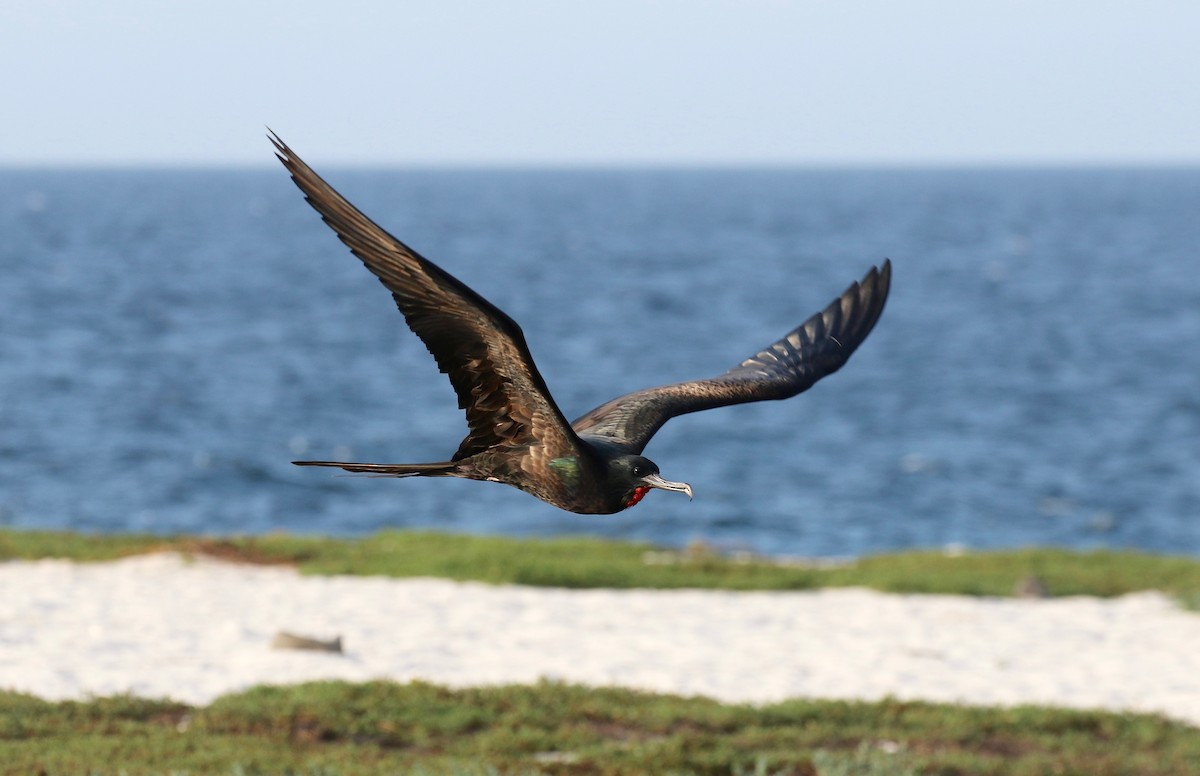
(914, 164)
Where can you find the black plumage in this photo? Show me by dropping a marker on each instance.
(517, 434)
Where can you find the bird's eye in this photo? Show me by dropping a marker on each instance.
(637, 470)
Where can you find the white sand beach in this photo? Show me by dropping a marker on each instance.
(161, 626)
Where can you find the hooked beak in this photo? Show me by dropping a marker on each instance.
(654, 481)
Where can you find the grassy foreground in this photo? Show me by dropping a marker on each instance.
(585, 562)
(338, 729)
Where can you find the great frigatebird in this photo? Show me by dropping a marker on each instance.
(517, 434)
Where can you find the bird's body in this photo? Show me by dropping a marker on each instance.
(517, 434)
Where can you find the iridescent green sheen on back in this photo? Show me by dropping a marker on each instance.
(567, 468)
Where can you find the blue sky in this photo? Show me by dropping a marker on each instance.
(548, 82)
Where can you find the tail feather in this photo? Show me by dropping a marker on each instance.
(444, 469)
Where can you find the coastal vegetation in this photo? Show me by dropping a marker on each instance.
(576, 562)
(340, 729)
(347, 729)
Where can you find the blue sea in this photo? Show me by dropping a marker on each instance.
(170, 340)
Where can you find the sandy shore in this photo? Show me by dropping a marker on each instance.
(158, 626)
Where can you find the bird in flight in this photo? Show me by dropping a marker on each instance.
(517, 434)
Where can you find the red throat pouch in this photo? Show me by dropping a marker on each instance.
(639, 493)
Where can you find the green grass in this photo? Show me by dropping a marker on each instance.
(585, 562)
(339, 729)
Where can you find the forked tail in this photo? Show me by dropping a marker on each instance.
(444, 469)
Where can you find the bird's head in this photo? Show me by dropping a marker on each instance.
(632, 476)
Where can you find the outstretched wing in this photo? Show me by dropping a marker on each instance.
(818, 347)
(476, 345)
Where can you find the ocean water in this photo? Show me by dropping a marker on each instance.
(170, 340)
